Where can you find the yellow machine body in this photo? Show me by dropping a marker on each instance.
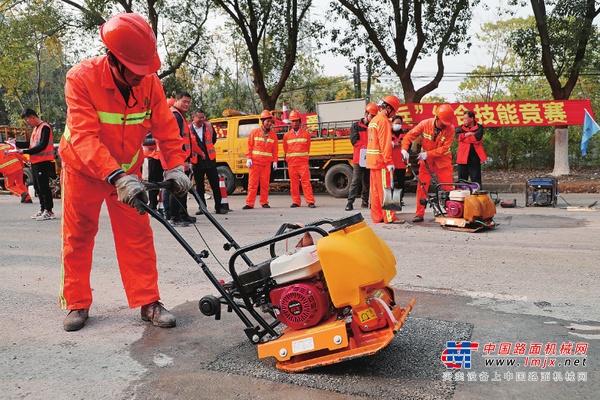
(479, 207)
(357, 266)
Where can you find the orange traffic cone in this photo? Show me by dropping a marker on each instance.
(224, 201)
(285, 117)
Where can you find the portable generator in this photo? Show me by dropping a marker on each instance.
(541, 191)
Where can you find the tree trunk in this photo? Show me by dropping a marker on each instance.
(561, 151)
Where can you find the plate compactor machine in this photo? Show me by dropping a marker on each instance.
(464, 207)
(326, 301)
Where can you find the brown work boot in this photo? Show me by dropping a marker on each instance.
(158, 314)
(75, 320)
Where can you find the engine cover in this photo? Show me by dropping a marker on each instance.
(454, 209)
(301, 305)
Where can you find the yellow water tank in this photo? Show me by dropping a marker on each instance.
(479, 207)
(353, 260)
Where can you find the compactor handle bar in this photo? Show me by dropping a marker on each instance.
(169, 185)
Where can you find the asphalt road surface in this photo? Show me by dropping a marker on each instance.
(524, 293)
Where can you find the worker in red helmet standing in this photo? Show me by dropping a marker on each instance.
(261, 158)
(438, 135)
(379, 159)
(296, 147)
(113, 102)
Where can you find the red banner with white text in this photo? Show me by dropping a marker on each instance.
(506, 113)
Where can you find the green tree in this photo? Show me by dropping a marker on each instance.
(32, 59)
(427, 27)
(272, 31)
(178, 25)
(557, 45)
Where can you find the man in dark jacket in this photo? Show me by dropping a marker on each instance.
(360, 174)
(203, 141)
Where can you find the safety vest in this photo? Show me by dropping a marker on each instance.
(207, 139)
(262, 149)
(358, 128)
(103, 134)
(9, 163)
(186, 135)
(36, 137)
(296, 147)
(379, 143)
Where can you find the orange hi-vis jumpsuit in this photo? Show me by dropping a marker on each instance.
(296, 147)
(262, 149)
(11, 166)
(104, 137)
(379, 156)
(436, 142)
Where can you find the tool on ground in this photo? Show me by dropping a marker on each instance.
(463, 208)
(508, 203)
(392, 198)
(326, 301)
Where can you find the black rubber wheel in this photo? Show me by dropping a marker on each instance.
(227, 175)
(27, 176)
(338, 179)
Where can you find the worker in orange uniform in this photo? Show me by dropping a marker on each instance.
(113, 101)
(438, 135)
(261, 157)
(11, 167)
(379, 159)
(296, 147)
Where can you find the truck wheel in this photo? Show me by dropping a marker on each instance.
(27, 176)
(227, 175)
(338, 179)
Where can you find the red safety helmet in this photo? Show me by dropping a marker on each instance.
(295, 116)
(392, 101)
(372, 108)
(266, 114)
(131, 40)
(171, 101)
(445, 113)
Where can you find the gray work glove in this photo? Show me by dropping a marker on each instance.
(131, 192)
(181, 182)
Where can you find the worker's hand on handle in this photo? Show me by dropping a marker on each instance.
(249, 163)
(181, 182)
(131, 192)
(405, 155)
(274, 165)
(390, 169)
(422, 156)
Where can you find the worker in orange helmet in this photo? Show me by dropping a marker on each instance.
(296, 147)
(113, 101)
(261, 157)
(11, 167)
(379, 159)
(438, 135)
